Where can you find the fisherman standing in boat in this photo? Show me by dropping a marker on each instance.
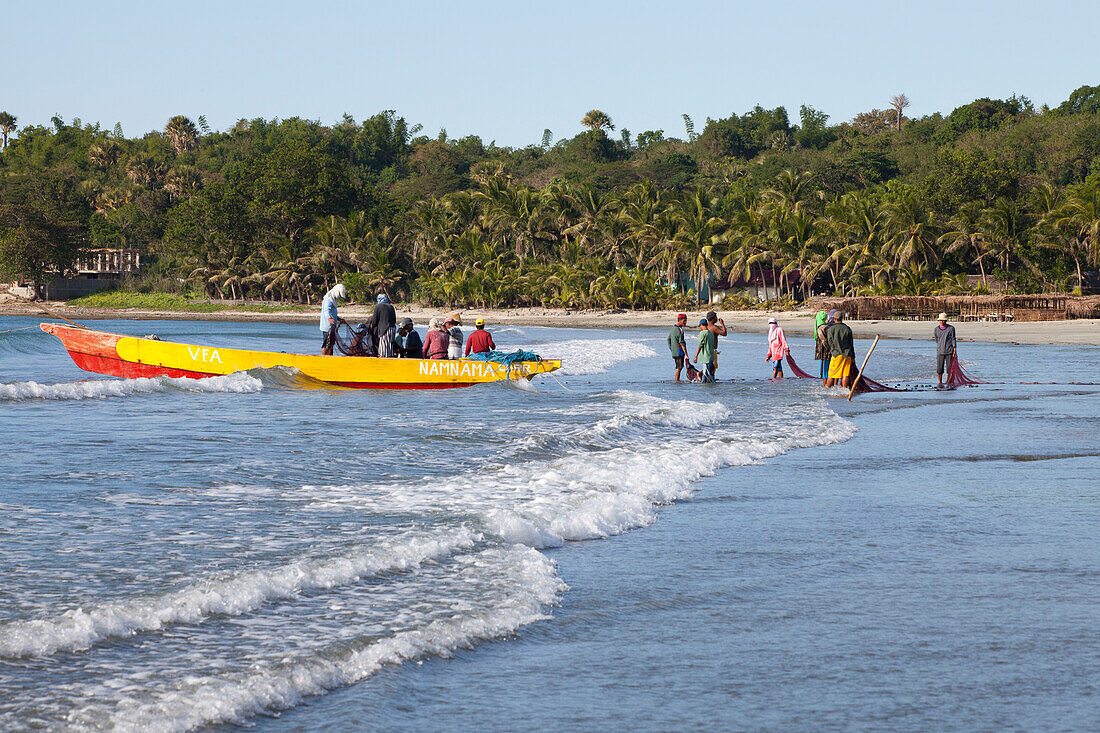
(382, 323)
(330, 321)
(945, 347)
(676, 343)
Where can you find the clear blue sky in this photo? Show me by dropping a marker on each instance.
(507, 70)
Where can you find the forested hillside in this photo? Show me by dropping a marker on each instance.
(279, 209)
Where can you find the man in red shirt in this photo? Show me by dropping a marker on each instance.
(480, 341)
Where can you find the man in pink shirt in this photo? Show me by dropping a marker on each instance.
(436, 341)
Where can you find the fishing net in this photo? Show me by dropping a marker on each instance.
(865, 384)
(870, 385)
(503, 357)
(355, 341)
(957, 376)
(796, 370)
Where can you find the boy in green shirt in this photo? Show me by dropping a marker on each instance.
(708, 349)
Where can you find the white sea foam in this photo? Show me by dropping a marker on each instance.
(638, 406)
(592, 356)
(524, 584)
(586, 494)
(239, 382)
(80, 629)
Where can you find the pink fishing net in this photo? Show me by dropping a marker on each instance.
(870, 385)
(796, 371)
(865, 384)
(957, 376)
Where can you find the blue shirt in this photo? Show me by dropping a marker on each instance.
(328, 310)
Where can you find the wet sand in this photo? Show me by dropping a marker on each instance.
(1082, 331)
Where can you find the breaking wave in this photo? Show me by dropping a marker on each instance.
(101, 388)
(80, 629)
(524, 583)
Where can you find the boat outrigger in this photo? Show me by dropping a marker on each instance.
(131, 356)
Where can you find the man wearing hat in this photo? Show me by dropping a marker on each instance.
(676, 343)
(945, 346)
(382, 324)
(411, 347)
(454, 344)
(480, 341)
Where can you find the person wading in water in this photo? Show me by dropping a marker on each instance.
(945, 347)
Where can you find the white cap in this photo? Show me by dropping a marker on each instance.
(772, 320)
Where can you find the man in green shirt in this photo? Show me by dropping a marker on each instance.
(707, 350)
(676, 343)
(842, 352)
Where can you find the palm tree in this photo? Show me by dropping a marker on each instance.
(182, 181)
(1005, 226)
(966, 231)
(182, 134)
(144, 170)
(597, 120)
(701, 233)
(1079, 218)
(913, 232)
(105, 153)
(790, 189)
(7, 127)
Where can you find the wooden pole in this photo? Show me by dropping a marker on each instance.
(856, 383)
(47, 310)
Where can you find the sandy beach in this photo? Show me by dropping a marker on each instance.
(1081, 331)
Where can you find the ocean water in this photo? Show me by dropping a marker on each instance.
(604, 550)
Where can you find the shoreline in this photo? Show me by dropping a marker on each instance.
(1079, 332)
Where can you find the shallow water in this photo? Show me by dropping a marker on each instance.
(250, 550)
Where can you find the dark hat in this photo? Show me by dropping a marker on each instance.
(406, 322)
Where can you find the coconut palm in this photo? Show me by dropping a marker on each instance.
(965, 231)
(1005, 225)
(1078, 218)
(700, 236)
(912, 232)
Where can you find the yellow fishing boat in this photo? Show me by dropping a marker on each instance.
(130, 356)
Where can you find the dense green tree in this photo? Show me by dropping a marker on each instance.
(1083, 100)
(43, 226)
